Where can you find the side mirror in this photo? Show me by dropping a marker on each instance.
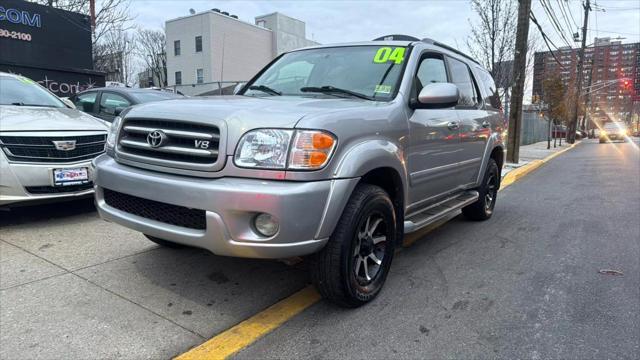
(439, 94)
(237, 88)
(118, 110)
(68, 102)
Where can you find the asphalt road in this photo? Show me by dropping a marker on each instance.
(525, 284)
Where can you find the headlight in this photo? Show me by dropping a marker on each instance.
(274, 149)
(113, 132)
(264, 148)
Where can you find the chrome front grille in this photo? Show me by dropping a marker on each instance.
(43, 148)
(174, 144)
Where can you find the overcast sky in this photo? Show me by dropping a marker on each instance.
(443, 20)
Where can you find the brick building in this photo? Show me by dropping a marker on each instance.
(611, 77)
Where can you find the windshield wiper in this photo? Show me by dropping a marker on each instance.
(265, 89)
(23, 104)
(328, 89)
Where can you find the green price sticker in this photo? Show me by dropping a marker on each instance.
(26, 80)
(383, 89)
(387, 54)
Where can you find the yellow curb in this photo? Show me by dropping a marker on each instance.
(517, 174)
(245, 333)
(231, 341)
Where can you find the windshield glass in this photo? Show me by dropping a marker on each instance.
(615, 126)
(154, 95)
(372, 71)
(25, 92)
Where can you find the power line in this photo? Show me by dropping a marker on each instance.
(546, 39)
(555, 22)
(571, 14)
(564, 15)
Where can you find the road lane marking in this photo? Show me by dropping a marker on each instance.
(233, 340)
(247, 332)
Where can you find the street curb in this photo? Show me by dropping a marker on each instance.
(524, 170)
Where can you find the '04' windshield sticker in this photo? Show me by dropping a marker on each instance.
(387, 54)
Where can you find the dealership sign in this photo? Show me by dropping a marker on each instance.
(23, 17)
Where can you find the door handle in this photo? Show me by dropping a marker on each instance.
(486, 124)
(453, 125)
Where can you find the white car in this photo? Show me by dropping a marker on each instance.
(47, 146)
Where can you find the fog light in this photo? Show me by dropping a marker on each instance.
(266, 225)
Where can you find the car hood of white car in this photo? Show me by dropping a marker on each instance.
(34, 118)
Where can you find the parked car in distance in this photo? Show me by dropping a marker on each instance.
(46, 146)
(581, 134)
(107, 102)
(333, 151)
(612, 131)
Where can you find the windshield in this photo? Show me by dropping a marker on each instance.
(22, 91)
(153, 95)
(615, 126)
(371, 71)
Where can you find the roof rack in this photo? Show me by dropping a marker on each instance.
(436, 43)
(396, 37)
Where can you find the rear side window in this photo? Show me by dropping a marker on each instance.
(461, 76)
(109, 102)
(490, 90)
(86, 101)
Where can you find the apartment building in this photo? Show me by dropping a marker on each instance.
(611, 77)
(212, 50)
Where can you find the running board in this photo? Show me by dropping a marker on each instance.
(439, 210)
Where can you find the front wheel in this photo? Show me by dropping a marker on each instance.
(351, 269)
(482, 209)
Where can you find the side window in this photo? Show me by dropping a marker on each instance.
(86, 102)
(461, 76)
(176, 48)
(431, 70)
(110, 101)
(198, 43)
(178, 75)
(491, 91)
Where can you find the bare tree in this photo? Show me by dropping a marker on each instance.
(111, 15)
(116, 55)
(492, 38)
(152, 51)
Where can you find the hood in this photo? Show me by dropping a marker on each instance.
(33, 118)
(244, 113)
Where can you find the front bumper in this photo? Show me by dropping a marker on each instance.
(15, 178)
(307, 211)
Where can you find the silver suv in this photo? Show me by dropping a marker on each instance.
(332, 151)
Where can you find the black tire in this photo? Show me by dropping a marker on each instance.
(165, 243)
(602, 141)
(338, 271)
(482, 209)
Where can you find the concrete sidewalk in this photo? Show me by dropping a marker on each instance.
(532, 152)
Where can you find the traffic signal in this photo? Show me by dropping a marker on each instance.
(626, 84)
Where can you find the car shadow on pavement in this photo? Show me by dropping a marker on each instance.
(45, 212)
(197, 290)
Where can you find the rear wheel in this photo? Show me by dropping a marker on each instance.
(352, 268)
(164, 243)
(482, 209)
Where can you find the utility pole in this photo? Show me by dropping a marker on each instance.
(92, 12)
(571, 134)
(519, 73)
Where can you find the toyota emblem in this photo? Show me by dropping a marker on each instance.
(156, 138)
